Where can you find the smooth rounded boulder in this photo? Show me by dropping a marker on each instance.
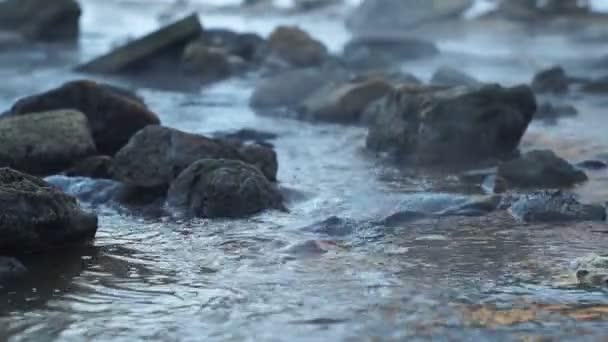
(213, 188)
(113, 116)
(37, 217)
(45, 143)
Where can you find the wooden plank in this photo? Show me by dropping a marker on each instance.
(147, 47)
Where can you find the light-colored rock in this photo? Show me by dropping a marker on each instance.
(45, 143)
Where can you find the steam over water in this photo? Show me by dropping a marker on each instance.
(262, 279)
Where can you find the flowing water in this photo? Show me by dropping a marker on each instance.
(267, 278)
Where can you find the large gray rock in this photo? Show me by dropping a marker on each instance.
(147, 49)
(458, 125)
(36, 216)
(296, 47)
(554, 206)
(45, 143)
(156, 155)
(402, 14)
(114, 114)
(540, 169)
(41, 20)
(222, 188)
(344, 103)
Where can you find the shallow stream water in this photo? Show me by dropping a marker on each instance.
(262, 279)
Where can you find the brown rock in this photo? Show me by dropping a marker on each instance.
(113, 117)
(296, 47)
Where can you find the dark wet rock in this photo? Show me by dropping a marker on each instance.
(296, 47)
(592, 270)
(42, 20)
(402, 14)
(597, 86)
(289, 88)
(333, 226)
(248, 46)
(45, 143)
(208, 63)
(447, 76)
(113, 117)
(391, 76)
(540, 169)
(261, 156)
(551, 112)
(310, 248)
(477, 175)
(36, 216)
(459, 125)
(11, 40)
(223, 188)
(92, 167)
(552, 80)
(166, 43)
(156, 155)
(388, 48)
(344, 103)
(247, 135)
(555, 206)
(11, 268)
(592, 164)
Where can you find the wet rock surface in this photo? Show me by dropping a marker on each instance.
(45, 143)
(37, 217)
(541, 168)
(344, 103)
(388, 48)
(113, 116)
(553, 80)
(452, 126)
(222, 188)
(92, 167)
(555, 206)
(11, 268)
(295, 47)
(446, 76)
(156, 155)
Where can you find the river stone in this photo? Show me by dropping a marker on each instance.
(261, 156)
(146, 50)
(592, 270)
(45, 143)
(113, 116)
(223, 188)
(156, 155)
(289, 88)
(596, 86)
(555, 206)
(36, 216)
(550, 112)
(540, 169)
(552, 80)
(344, 103)
(208, 63)
(391, 47)
(458, 125)
(383, 15)
(447, 76)
(42, 20)
(248, 46)
(296, 47)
